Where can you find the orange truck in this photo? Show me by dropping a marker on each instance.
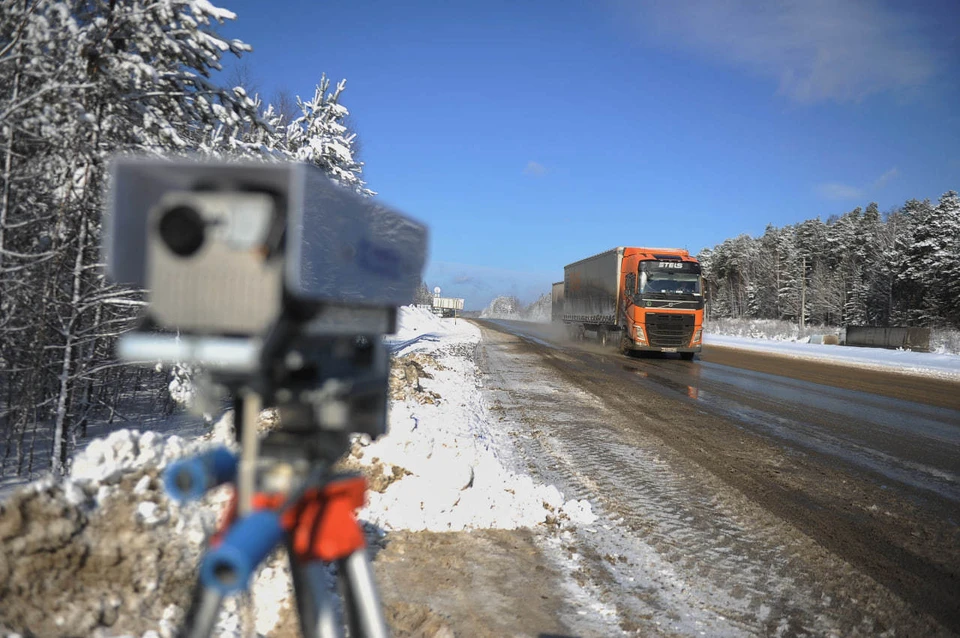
(647, 299)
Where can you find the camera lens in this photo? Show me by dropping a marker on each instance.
(181, 229)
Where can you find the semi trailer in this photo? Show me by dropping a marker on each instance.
(556, 306)
(447, 306)
(644, 299)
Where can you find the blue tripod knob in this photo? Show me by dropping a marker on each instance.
(189, 479)
(228, 567)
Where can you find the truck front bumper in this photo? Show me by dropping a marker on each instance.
(639, 348)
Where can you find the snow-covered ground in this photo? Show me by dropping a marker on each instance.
(452, 448)
(444, 460)
(919, 363)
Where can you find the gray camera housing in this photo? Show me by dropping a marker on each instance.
(276, 234)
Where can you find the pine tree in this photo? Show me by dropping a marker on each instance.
(947, 289)
(921, 245)
(320, 137)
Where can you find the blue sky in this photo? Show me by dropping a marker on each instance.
(531, 134)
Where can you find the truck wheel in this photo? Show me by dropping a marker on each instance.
(687, 356)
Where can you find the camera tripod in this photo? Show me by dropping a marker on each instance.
(279, 285)
(297, 503)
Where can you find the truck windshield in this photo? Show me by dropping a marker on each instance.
(669, 282)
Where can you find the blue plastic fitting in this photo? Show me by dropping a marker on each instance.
(228, 567)
(188, 479)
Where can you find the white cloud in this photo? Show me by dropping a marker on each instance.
(886, 177)
(535, 169)
(816, 50)
(833, 190)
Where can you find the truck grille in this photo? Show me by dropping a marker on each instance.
(669, 330)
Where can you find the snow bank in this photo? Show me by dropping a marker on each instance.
(418, 326)
(448, 452)
(104, 461)
(441, 458)
(103, 550)
(784, 338)
(112, 502)
(943, 366)
(413, 321)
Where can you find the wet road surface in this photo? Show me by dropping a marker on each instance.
(838, 485)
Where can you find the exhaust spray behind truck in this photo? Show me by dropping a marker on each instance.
(645, 299)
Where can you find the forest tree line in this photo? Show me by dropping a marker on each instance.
(901, 268)
(80, 82)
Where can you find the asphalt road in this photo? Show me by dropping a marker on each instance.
(864, 464)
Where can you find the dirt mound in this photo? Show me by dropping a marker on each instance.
(405, 375)
(379, 475)
(71, 568)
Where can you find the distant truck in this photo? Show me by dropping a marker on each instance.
(647, 299)
(447, 306)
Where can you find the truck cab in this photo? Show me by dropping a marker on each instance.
(661, 302)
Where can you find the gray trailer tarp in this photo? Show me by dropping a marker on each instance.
(591, 289)
(556, 302)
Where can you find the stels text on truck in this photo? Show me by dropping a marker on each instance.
(644, 299)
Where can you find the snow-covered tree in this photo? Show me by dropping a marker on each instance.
(504, 307)
(80, 82)
(923, 245)
(319, 136)
(423, 296)
(947, 289)
(857, 268)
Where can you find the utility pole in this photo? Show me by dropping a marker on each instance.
(803, 292)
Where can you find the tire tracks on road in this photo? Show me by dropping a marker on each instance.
(697, 552)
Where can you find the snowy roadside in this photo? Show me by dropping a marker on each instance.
(942, 366)
(105, 552)
(451, 472)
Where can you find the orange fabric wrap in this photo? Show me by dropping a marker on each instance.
(322, 525)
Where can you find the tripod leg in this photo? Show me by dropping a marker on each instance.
(247, 465)
(238, 419)
(363, 600)
(351, 616)
(203, 613)
(315, 604)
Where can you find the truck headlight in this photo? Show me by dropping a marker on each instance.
(640, 336)
(697, 335)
